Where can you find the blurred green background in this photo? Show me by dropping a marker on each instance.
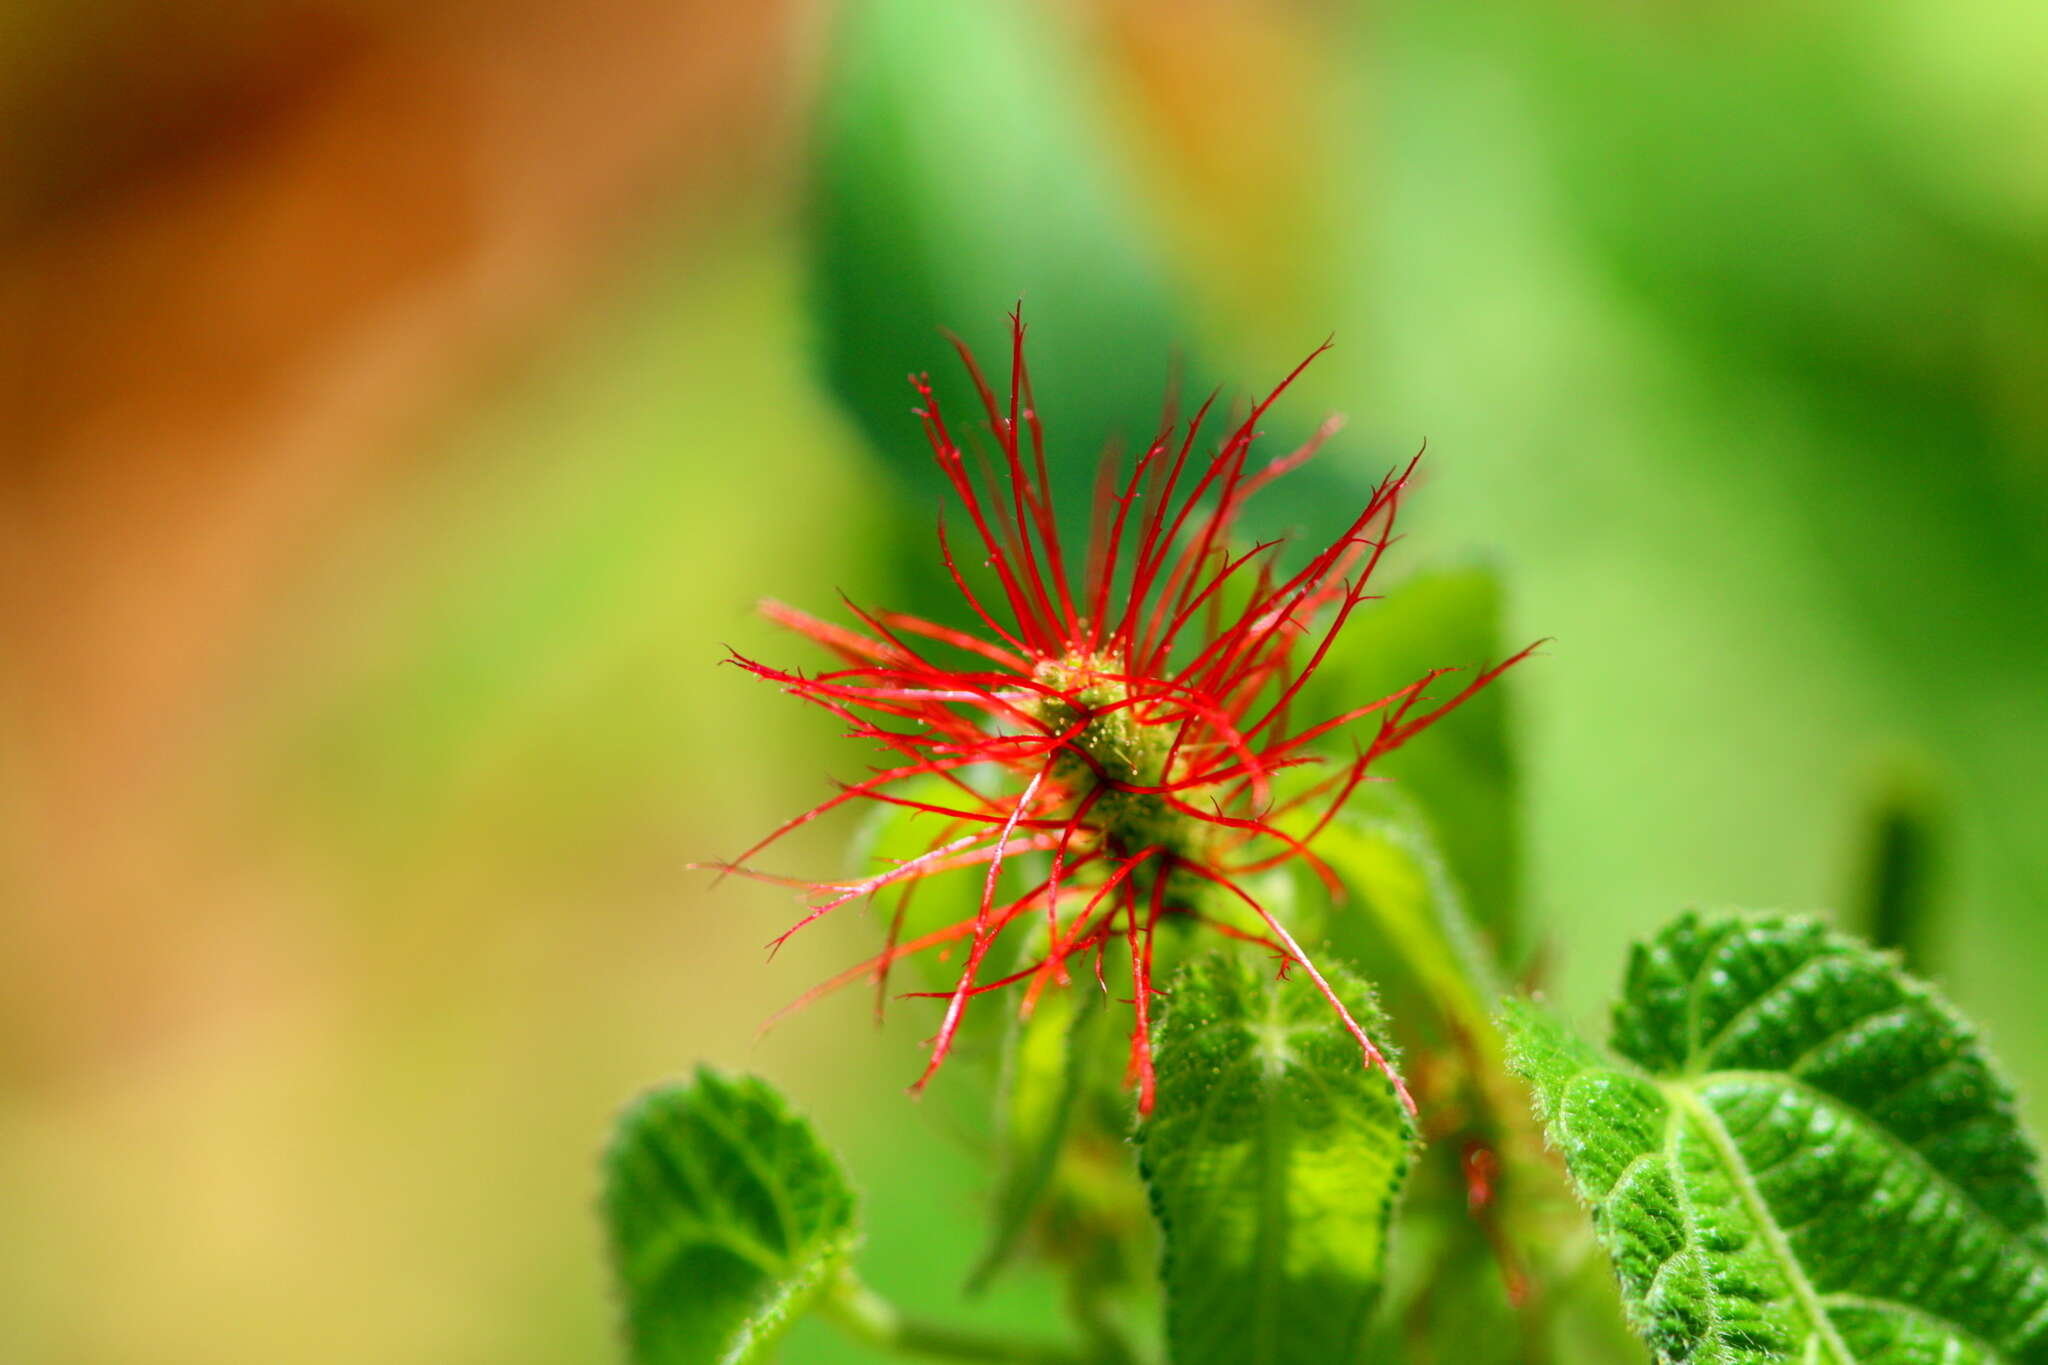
(405, 405)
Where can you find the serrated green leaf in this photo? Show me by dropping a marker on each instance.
(727, 1218)
(1274, 1159)
(1804, 1155)
(1403, 922)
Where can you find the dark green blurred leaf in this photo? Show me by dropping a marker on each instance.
(1047, 1061)
(1897, 885)
(1404, 918)
(1274, 1159)
(1462, 770)
(961, 165)
(959, 169)
(1805, 1155)
(727, 1218)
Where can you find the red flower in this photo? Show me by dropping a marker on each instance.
(1139, 706)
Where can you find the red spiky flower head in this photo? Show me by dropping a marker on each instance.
(1135, 707)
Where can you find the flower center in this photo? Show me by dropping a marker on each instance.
(1115, 750)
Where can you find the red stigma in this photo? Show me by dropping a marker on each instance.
(1138, 706)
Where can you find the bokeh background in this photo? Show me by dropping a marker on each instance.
(404, 405)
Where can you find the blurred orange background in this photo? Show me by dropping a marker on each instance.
(359, 704)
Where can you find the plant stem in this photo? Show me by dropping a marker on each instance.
(860, 1312)
(1084, 1303)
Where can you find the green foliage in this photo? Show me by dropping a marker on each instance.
(1403, 921)
(1274, 1158)
(1403, 917)
(727, 1219)
(913, 235)
(1464, 773)
(943, 130)
(1899, 892)
(1800, 1153)
(1045, 1067)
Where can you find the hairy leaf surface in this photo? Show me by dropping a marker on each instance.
(1802, 1154)
(1274, 1158)
(727, 1217)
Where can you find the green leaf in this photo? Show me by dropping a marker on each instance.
(1047, 1063)
(961, 166)
(1900, 890)
(727, 1218)
(1405, 919)
(1403, 922)
(1274, 1158)
(1804, 1155)
(1462, 770)
(945, 127)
